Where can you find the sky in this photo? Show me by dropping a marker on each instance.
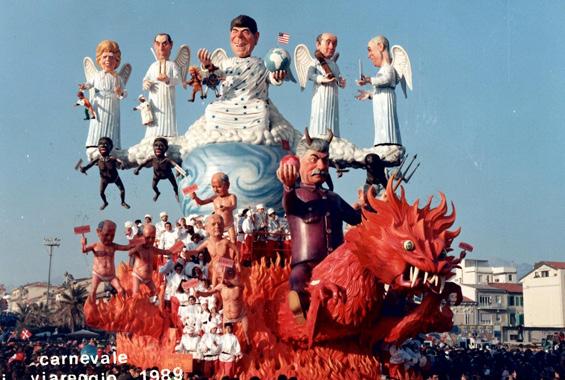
(484, 116)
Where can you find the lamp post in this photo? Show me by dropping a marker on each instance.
(50, 243)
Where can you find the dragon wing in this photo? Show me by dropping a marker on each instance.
(218, 57)
(183, 60)
(90, 71)
(303, 60)
(124, 73)
(401, 63)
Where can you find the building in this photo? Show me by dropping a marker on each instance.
(544, 295)
(477, 271)
(492, 299)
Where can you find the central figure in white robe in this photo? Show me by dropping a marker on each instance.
(244, 102)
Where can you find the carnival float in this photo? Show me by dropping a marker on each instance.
(347, 301)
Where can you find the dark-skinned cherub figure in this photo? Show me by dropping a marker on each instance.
(108, 167)
(376, 176)
(162, 167)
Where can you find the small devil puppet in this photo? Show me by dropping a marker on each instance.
(108, 167)
(196, 83)
(88, 110)
(162, 167)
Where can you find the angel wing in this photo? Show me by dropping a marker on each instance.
(303, 60)
(218, 56)
(401, 63)
(124, 73)
(90, 71)
(183, 60)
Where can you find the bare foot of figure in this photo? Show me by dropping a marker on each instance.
(125, 205)
(103, 205)
(156, 196)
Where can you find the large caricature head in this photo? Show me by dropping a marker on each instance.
(243, 36)
(163, 44)
(215, 225)
(106, 231)
(378, 51)
(105, 146)
(160, 146)
(326, 43)
(149, 232)
(108, 55)
(314, 159)
(220, 184)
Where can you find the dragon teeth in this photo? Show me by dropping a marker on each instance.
(425, 277)
(416, 273)
(442, 284)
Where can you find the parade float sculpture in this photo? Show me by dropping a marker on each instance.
(324, 73)
(108, 166)
(383, 281)
(145, 110)
(162, 167)
(106, 89)
(196, 83)
(393, 69)
(161, 80)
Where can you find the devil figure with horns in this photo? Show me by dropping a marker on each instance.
(315, 216)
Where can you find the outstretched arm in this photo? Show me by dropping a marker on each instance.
(142, 165)
(200, 201)
(83, 169)
(120, 247)
(198, 249)
(86, 248)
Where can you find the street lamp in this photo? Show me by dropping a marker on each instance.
(50, 243)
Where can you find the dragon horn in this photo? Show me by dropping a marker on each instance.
(331, 134)
(307, 136)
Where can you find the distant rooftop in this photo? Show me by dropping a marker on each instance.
(508, 286)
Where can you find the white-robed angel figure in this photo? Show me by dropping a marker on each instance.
(107, 88)
(393, 68)
(160, 81)
(245, 81)
(321, 69)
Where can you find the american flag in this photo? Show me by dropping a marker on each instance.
(283, 38)
(26, 334)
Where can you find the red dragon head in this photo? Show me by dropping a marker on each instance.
(404, 245)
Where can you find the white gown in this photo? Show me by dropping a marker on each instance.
(106, 105)
(324, 114)
(387, 130)
(162, 100)
(245, 93)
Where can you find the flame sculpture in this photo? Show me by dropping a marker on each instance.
(401, 245)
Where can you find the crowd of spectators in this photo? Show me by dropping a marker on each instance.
(488, 362)
(21, 360)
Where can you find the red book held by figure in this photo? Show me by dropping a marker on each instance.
(81, 230)
(190, 189)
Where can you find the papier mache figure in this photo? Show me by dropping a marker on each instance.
(108, 167)
(162, 167)
(315, 216)
(224, 202)
(218, 248)
(107, 88)
(245, 80)
(88, 110)
(160, 80)
(143, 265)
(393, 68)
(103, 268)
(145, 109)
(324, 72)
(196, 83)
(230, 288)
